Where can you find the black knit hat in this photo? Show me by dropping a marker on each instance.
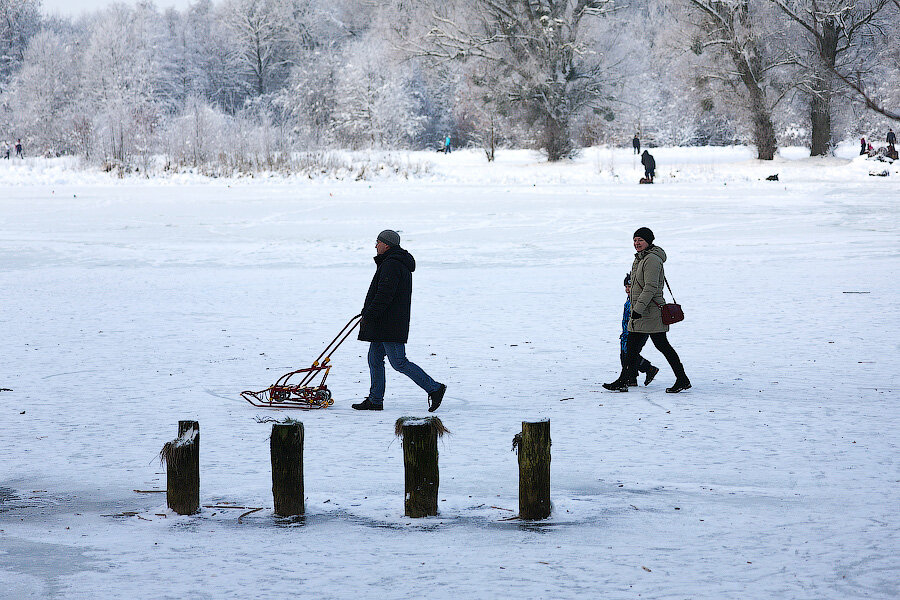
(645, 234)
(389, 237)
(628, 279)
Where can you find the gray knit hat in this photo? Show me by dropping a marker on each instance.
(389, 237)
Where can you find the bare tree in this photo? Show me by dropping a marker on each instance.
(542, 63)
(729, 27)
(19, 20)
(261, 41)
(834, 32)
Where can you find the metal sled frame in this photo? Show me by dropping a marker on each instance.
(303, 393)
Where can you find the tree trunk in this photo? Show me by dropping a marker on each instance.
(555, 139)
(820, 118)
(820, 106)
(534, 470)
(286, 449)
(763, 129)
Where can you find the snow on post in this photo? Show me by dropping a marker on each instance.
(420, 461)
(182, 459)
(533, 446)
(286, 446)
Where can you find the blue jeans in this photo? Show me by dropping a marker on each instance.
(396, 353)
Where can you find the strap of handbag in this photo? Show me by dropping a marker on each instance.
(670, 293)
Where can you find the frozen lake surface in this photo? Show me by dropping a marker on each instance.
(128, 305)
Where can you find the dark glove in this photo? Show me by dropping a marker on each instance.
(636, 315)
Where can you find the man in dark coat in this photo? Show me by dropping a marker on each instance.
(385, 323)
(891, 137)
(649, 165)
(636, 144)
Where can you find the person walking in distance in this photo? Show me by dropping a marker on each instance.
(636, 144)
(649, 165)
(385, 323)
(20, 151)
(647, 280)
(891, 137)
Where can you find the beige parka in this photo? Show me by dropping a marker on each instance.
(647, 281)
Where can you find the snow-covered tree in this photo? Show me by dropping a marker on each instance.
(41, 95)
(375, 106)
(261, 41)
(19, 20)
(736, 31)
(544, 67)
(835, 34)
(124, 78)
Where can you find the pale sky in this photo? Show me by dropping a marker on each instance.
(75, 7)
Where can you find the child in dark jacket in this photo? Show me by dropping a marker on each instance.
(644, 365)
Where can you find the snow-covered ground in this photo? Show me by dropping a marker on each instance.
(127, 305)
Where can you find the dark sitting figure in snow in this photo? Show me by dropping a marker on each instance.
(644, 365)
(649, 166)
(647, 280)
(385, 323)
(636, 144)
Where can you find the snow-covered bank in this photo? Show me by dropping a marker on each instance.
(127, 306)
(592, 166)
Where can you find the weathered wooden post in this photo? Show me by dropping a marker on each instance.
(182, 458)
(420, 461)
(286, 446)
(533, 446)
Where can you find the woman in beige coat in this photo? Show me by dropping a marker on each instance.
(647, 281)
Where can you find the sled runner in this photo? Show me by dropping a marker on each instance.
(297, 388)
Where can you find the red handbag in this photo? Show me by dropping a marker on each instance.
(671, 311)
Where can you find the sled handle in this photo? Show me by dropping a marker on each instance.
(332, 346)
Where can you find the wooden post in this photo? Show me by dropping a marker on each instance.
(286, 446)
(182, 458)
(420, 461)
(534, 470)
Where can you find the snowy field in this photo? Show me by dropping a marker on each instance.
(127, 305)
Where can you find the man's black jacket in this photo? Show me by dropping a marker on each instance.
(385, 314)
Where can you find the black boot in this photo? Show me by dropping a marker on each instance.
(651, 373)
(367, 405)
(680, 385)
(435, 397)
(619, 385)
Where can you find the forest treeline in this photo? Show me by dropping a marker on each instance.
(242, 85)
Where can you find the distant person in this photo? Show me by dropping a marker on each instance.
(385, 323)
(447, 145)
(891, 137)
(649, 165)
(636, 144)
(20, 152)
(644, 365)
(870, 150)
(862, 146)
(7, 149)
